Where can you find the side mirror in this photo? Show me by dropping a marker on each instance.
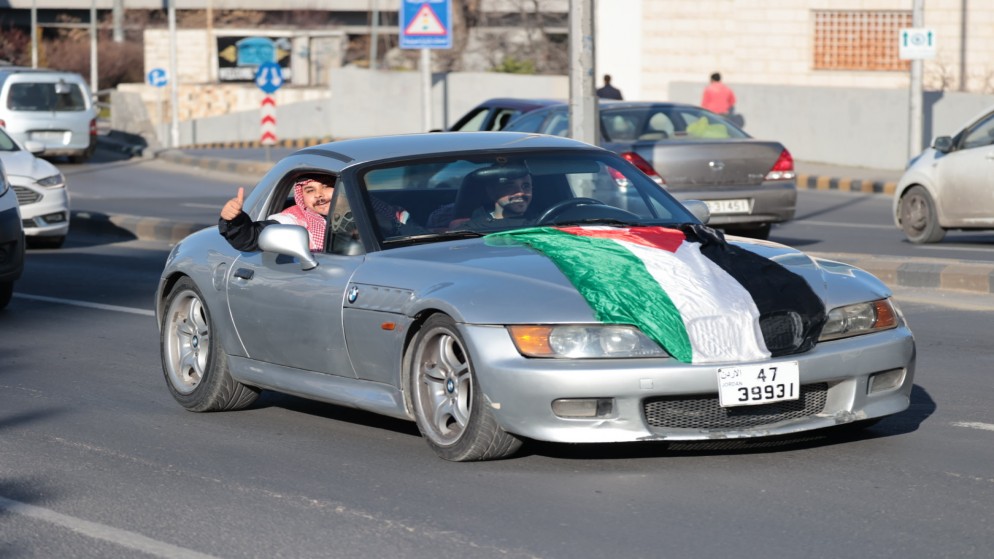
(699, 209)
(34, 147)
(943, 144)
(289, 240)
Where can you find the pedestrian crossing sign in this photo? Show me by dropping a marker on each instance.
(425, 24)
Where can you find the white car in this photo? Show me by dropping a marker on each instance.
(41, 192)
(950, 185)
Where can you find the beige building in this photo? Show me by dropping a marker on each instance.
(648, 44)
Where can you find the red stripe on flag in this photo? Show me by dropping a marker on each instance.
(653, 236)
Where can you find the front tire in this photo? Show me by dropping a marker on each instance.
(919, 220)
(193, 361)
(449, 406)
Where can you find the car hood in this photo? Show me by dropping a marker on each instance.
(483, 284)
(24, 164)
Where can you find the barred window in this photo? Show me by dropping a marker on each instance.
(859, 39)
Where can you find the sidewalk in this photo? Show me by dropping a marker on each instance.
(962, 277)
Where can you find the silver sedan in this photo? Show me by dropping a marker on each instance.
(554, 293)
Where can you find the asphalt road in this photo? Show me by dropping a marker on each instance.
(98, 461)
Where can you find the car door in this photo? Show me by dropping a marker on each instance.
(289, 316)
(965, 177)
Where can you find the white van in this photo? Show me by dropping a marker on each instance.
(51, 107)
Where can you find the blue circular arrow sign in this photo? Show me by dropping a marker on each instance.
(157, 77)
(269, 77)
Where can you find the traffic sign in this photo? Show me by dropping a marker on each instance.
(157, 77)
(269, 77)
(916, 43)
(425, 24)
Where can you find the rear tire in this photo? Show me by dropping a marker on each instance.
(449, 406)
(193, 361)
(6, 293)
(45, 242)
(919, 220)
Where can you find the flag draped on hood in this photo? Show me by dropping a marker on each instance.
(701, 299)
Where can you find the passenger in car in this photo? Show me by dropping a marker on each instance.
(312, 200)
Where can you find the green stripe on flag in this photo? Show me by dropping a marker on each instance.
(615, 283)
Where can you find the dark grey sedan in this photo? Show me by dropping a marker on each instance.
(748, 184)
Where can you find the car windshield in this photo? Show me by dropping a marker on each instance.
(6, 143)
(46, 96)
(466, 196)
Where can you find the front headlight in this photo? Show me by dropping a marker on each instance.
(858, 319)
(54, 181)
(582, 341)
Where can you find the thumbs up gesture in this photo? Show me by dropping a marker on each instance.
(233, 207)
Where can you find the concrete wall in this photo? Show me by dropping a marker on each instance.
(845, 126)
(368, 103)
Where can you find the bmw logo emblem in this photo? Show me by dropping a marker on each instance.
(450, 386)
(353, 294)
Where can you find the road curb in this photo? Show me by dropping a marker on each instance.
(960, 276)
(258, 168)
(841, 184)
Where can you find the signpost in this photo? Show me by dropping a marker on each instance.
(425, 25)
(158, 78)
(916, 43)
(269, 78)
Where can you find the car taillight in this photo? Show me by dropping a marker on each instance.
(3, 124)
(643, 165)
(783, 169)
(93, 127)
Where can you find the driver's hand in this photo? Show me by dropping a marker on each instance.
(233, 207)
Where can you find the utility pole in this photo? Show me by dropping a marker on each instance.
(118, 13)
(583, 120)
(173, 76)
(915, 102)
(34, 33)
(93, 47)
(374, 34)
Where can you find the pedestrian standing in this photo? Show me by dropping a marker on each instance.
(718, 97)
(608, 91)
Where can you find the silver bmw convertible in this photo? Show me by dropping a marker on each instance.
(501, 287)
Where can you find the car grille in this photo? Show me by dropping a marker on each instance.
(704, 411)
(26, 195)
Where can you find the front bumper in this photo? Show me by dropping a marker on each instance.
(44, 212)
(662, 399)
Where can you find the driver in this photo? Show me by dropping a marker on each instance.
(508, 195)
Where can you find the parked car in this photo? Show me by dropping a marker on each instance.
(41, 192)
(603, 310)
(495, 114)
(51, 107)
(11, 240)
(950, 185)
(748, 184)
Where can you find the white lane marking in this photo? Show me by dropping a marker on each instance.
(803, 221)
(973, 425)
(86, 304)
(94, 530)
(949, 248)
(192, 205)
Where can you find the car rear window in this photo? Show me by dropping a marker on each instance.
(45, 96)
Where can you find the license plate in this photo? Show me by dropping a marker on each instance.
(739, 206)
(752, 385)
(48, 136)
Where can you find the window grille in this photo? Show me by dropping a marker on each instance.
(859, 39)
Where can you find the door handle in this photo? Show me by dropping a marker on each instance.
(244, 273)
